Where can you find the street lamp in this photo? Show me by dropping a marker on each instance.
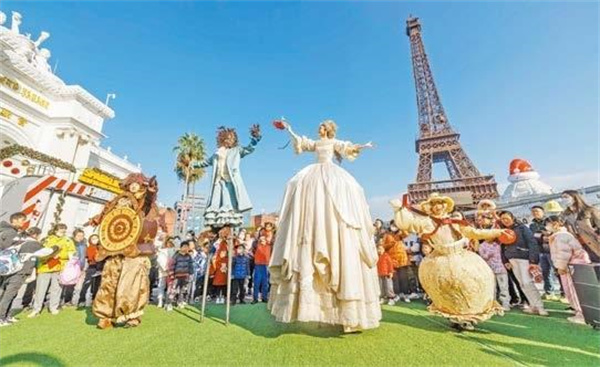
(110, 96)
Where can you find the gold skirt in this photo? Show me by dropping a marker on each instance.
(460, 284)
(125, 289)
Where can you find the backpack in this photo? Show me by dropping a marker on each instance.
(10, 260)
(71, 273)
(7, 237)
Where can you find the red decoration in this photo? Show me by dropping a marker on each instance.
(15, 171)
(536, 273)
(519, 165)
(279, 124)
(508, 237)
(7, 164)
(405, 200)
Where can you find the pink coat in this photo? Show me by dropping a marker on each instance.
(565, 250)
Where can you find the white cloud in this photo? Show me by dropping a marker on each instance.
(573, 180)
(380, 206)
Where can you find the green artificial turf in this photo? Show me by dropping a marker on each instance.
(408, 336)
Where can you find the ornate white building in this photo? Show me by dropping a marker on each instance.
(51, 129)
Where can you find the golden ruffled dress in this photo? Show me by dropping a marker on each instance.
(460, 283)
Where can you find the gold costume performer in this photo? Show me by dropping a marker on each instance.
(460, 283)
(128, 225)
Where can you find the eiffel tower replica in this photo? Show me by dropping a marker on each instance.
(438, 142)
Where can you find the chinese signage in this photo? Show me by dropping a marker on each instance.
(96, 178)
(24, 92)
(8, 114)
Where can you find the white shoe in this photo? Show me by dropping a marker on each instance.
(397, 298)
(576, 320)
(468, 326)
(12, 320)
(169, 308)
(33, 314)
(413, 296)
(181, 305)
(54, 312)
(391, 302)
(542, 312)
(160, 303)
(4, 323)
(406, 299)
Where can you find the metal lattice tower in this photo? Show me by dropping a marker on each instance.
(437, 141)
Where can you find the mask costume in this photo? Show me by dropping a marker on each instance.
(128, 226)
(460, 283)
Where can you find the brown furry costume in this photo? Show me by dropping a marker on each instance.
(125, 288)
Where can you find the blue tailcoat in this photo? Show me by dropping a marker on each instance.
(234, 156)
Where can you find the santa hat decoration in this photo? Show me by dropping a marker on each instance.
(518, 166)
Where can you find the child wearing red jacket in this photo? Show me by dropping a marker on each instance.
(385, 270)
(218, 270)
(262, 256)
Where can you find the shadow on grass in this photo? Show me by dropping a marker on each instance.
(36, 359)
(257, 320)
(553, 330)
(539, 355)
(90, 319)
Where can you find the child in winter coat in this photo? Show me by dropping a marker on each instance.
(385, 270)
(164, 258)
(564, 251)
(183, 268)
(218, 270)
(240, 271)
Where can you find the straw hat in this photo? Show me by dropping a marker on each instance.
(434, 198)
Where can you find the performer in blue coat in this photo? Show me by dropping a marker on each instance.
(228, 198)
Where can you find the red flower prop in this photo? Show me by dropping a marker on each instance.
(279, 124)
(509, 237)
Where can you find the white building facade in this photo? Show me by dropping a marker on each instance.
(52, 129)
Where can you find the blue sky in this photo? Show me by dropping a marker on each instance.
(516, 79)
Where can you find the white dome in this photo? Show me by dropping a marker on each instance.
(525, 185)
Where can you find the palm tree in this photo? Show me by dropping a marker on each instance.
(189, 149)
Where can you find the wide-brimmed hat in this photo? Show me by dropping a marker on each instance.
(436, 197)
(487, 202)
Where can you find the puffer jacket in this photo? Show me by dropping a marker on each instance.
(240, 267)
(58, 262)
(183, 265)
(565, 250)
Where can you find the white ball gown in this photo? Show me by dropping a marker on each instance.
(324, 262)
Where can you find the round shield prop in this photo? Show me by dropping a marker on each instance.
(120, 228)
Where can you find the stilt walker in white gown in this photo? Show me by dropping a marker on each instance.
(324, 262)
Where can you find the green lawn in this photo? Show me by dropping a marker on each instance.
(408, 336)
